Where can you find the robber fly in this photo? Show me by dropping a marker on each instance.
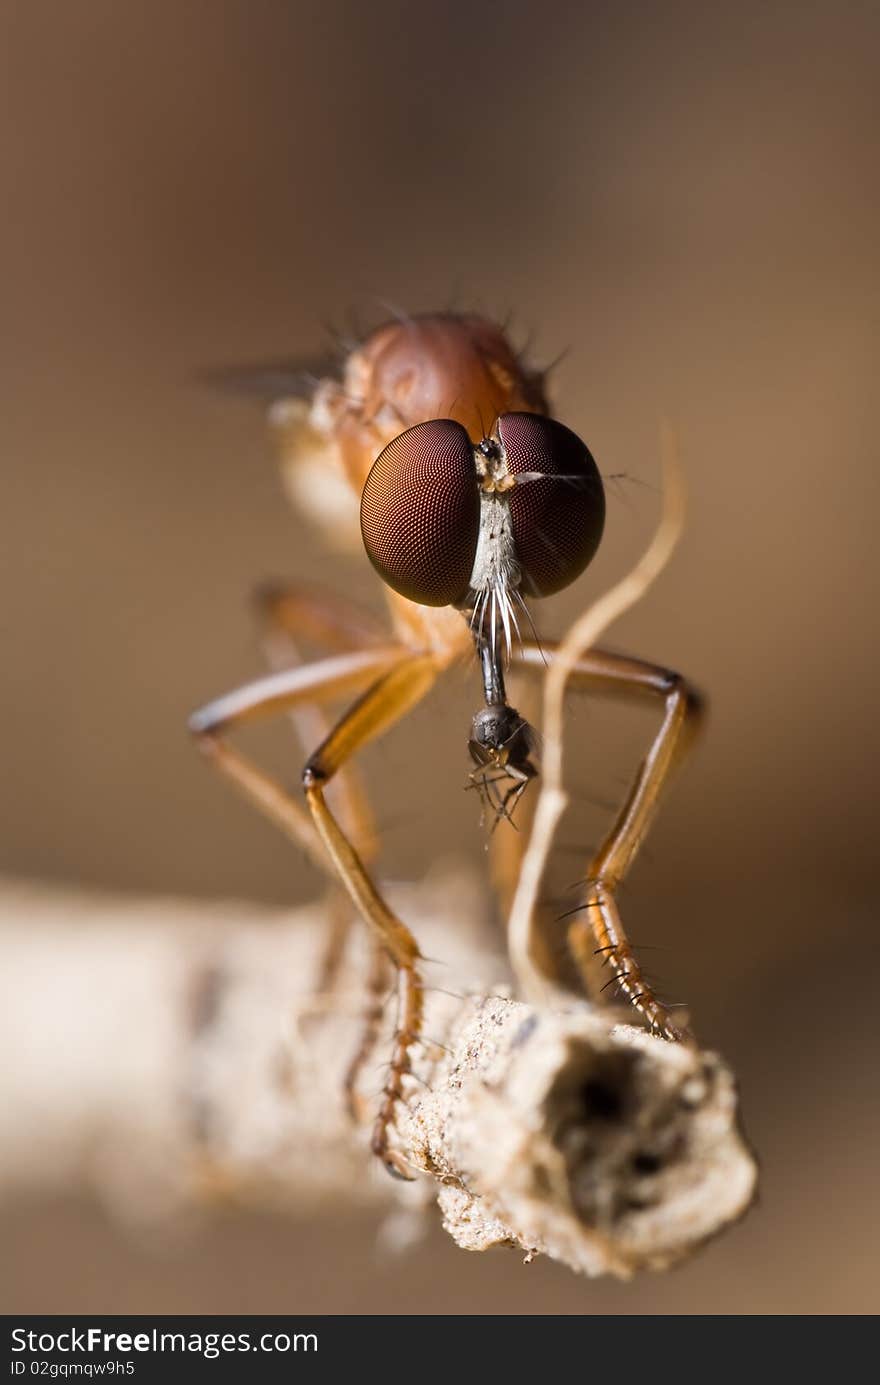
(437, 452)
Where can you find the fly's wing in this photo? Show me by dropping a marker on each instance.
(265, 382)
(311, 470)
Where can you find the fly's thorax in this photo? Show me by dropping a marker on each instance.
(412, 370)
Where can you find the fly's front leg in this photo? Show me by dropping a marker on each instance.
(290, 612)
(599, 931)
(403, 680)
(396, 693)
(275, 695)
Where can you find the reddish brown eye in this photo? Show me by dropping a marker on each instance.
(420, 513)
(558, 508)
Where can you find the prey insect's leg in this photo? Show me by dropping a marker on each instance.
(507, 848)
(271, 696)
(501, 741)
(600, 931)
(396, 693)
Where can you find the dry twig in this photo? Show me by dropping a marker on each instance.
(167, 1053)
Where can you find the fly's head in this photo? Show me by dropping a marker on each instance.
(482, 526)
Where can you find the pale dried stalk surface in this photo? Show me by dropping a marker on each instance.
(168, 1053)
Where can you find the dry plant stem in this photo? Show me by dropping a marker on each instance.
(522, 942)
(169, 1054)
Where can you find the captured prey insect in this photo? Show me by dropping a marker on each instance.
(436, 450)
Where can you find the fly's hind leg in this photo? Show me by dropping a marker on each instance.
(597, 931)
(403, 680)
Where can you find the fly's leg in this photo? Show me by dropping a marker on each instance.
(301, 612)
(377, 988)
(289, 613)
(385, 703)
(273, 695)
(598, 930)
(402, 682)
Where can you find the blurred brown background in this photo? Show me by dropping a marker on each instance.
(686, 197)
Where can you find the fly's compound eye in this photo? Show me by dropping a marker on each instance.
(420, 513)
(557, 508)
